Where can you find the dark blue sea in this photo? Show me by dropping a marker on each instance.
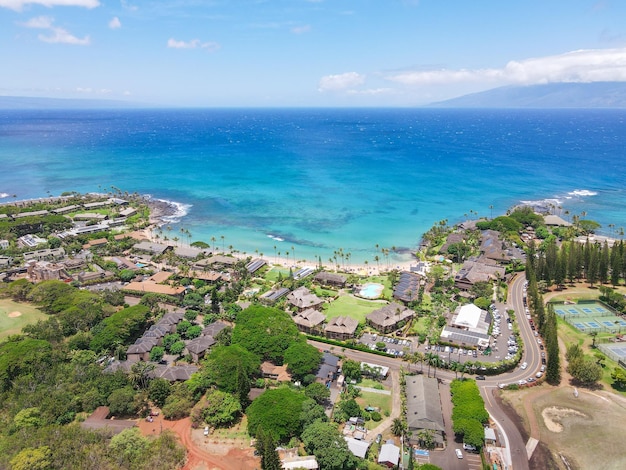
(322, 179)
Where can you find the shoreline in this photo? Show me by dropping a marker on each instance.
(163, 212)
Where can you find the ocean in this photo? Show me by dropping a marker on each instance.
(310, 182)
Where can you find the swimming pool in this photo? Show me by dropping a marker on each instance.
(371, 290)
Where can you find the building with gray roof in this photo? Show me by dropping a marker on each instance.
(424, 408)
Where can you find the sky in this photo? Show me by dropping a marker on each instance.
(299, 53)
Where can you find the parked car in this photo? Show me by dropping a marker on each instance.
(542, 369)
(539, 374)
(459, 454)
(206, 430)
(469, 447)
(379, 438)
(480, 377)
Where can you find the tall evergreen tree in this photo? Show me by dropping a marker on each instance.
(553, 369)
(593, 268)
(266, 447)
(603, 264)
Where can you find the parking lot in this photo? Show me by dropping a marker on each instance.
(395, 346)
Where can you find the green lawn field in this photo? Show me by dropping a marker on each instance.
(350, 306)
(10, 324)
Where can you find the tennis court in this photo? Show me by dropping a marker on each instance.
(590, 316)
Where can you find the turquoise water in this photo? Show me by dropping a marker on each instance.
(371, 290)
(311, 182)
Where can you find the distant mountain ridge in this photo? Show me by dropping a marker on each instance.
(551, 95)
(27, 102)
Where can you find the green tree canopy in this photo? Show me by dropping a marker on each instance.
(318, 392)
(328, 445)
(221, 409)
(302, 359)
(267, 332)
(231, 369)
(277, 411)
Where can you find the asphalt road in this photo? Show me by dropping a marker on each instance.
(531, 355)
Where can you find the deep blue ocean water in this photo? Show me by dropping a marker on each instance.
(324, 179)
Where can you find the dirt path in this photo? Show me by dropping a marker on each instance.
(395, 406)
(197, 458)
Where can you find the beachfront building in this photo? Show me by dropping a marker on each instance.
(390, 317)
(272, 296)
(254, 265)
(341, 328)
(478, 270)
(310, 321)
(331, 279)
(424, 409)
(152, 248)
(302, 298)
(408, 287)
(215, 262)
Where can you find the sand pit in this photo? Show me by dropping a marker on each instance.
(15, 314)
(554, 415)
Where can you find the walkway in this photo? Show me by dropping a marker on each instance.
(395, 404)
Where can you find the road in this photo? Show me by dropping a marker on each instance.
(514, 442)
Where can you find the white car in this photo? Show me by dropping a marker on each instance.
(522, 382)
(459, 454)
(538, 374)
(524, 365)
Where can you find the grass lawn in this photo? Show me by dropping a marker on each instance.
(350, 306)
(13, 325)
(384, 280)
(237, 431)
(377, 400)
(272, 273)
(421, 326)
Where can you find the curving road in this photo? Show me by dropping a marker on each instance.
(514, 443)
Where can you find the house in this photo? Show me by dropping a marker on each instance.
(5, 261)
(4, 244)
(302, 298)
(209, 276)
(310, 321)
(307, 462)
(30, 241)
(140, 351)
(328, 368)
(279, 373)
(331, 279)
(390, 317)
(493, 248)
(389, 455)
(341, 328)
(374, 370)
(45, 255)
(357, 447)
(154, 288)
(213, 329)
(424, 409)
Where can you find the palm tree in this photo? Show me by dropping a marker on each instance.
(222, 237)
(398, 427)
(213, 240)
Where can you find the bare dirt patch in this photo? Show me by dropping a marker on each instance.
(590, 426)
(553, 417)
(15, 314)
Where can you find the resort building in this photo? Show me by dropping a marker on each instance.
(331, 279)
(199, 346)
(464, 337)
(408, 287)
(424, 409)
(302, 298)
(45, 255)
(30, 241)
(390, 317)
(310, 321)
(254, 265)
(152, 248)
(471, 318)
(272, 296)
(341, 328)
(478, 270)
(45, 270)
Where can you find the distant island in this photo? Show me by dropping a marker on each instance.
(551, 95)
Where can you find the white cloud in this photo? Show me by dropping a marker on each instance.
(17, 5)
(56, 35)
(577, 66)
(193, 44)
(301, 29)
(340, 81)
(115, 23)
(372, 91)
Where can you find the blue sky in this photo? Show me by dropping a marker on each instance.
(303, 52)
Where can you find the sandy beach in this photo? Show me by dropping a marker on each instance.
(160, 210)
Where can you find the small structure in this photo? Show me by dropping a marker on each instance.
(341, 328)
(357, 447)
(490, 436)
(389, 317)
(389, 454)
(307, 462)
(310, 321)
(377, 370)
(302, 298)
